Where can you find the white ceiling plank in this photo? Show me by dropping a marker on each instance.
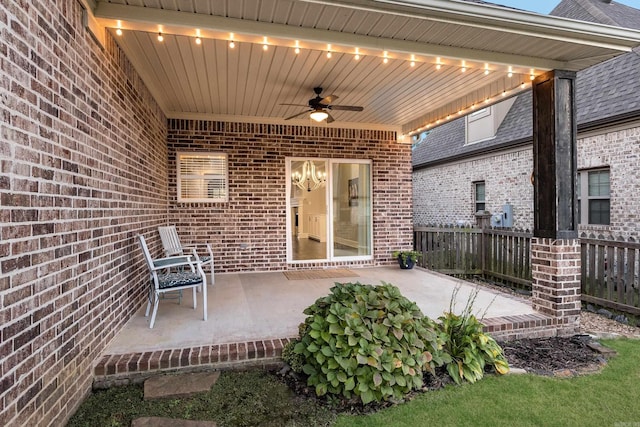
(248, 84)
(192, 20)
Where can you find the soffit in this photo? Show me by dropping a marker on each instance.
(247, 83)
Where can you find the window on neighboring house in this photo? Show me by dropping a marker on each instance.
(202, 177)
(479, 193)
(594, 197)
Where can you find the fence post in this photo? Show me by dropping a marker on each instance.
(483, 220)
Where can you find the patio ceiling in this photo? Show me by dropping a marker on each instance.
(210, 80)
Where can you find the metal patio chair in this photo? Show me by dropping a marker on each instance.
(172, 274)
(172, 247)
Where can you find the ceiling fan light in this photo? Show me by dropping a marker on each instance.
(318, 116)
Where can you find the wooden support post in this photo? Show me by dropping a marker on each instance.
(555, 257)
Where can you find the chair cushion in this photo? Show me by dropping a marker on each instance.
(183, 278)
(205, 258)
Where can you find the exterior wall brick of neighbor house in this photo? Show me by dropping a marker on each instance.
(448, 194)
(249, 232)
(83, 168)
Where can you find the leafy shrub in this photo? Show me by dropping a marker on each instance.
(468, 349)
(367, 341)
(293, 359)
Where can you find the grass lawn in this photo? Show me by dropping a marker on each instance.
(609, 398)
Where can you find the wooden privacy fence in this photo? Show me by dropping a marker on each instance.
(610, 268)
(498, 254)
(610, 271)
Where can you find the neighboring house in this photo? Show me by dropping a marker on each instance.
(484, 160)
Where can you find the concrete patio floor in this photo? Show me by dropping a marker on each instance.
(252, 316)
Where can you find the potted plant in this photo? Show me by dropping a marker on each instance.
(407, 259)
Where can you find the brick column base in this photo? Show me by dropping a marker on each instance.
(555, 268)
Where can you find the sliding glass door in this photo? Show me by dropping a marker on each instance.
(351, 209)
(328, 210)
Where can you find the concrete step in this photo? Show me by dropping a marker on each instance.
(179, 385)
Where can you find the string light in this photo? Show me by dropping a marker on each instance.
(464, 67)
(119, 29)
(522, 85)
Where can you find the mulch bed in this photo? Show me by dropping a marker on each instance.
(554, 356)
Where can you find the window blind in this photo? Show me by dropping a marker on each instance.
(202, 177)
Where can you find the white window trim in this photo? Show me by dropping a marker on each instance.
(224, 176)
(584, 198)
(475, 194)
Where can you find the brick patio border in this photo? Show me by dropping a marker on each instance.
(121, 369)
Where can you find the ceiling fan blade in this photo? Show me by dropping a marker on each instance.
(296, 115)
(296, 105)
(328, 99)
(345, 107)
(329, 118)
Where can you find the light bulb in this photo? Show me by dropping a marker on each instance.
(297, 50)
(232, 44)
(328, 54)
(198, 40)
(160, 38)
(119, 31)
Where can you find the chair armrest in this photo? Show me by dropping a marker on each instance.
(174, 261)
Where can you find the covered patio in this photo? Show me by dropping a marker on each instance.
(251, 316)
(99, 98)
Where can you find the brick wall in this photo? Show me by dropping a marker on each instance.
(83, 168)
(444, 194)
(256, 212)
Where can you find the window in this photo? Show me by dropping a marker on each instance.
(202, 177)
(594, 197)
(479, 195)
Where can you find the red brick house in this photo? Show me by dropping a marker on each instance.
(93, 124)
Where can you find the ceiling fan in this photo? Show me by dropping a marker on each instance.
(320, 107)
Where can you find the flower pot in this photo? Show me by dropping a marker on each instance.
(409, 264)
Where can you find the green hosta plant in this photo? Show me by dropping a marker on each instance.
(367, 341)
(468, 347)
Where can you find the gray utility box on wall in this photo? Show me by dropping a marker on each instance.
(504, 218)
